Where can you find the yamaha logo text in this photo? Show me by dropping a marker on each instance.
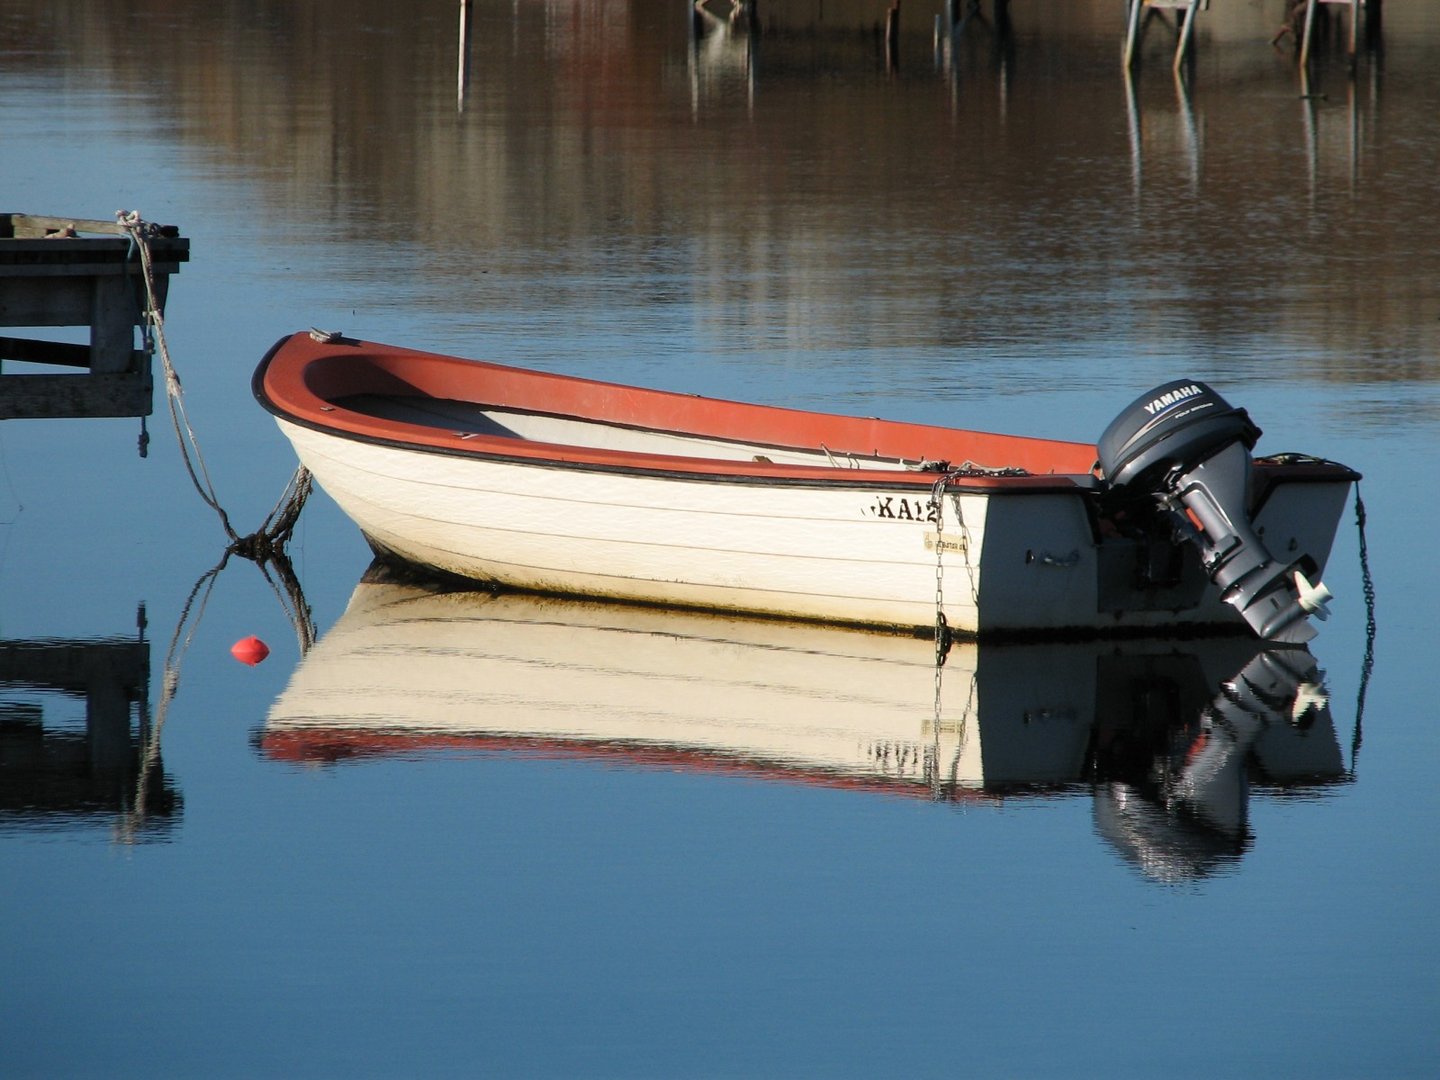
(1180, 393)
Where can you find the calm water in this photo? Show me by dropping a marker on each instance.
(421, 875)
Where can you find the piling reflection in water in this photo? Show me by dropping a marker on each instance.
(60, 772)
(782, 190)
(1168, 736)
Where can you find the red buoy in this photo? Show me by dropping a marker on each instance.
(250, 650)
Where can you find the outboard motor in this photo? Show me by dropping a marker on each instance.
(1186, 447)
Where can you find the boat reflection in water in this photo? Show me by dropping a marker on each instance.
(72, 753)
(1169, 736)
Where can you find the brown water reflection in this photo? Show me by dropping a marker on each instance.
(791, 187)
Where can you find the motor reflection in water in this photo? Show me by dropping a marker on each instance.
(1170, 736)
(64, 767)
(1172, 764)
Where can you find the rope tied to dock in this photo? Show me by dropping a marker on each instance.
(279, 524)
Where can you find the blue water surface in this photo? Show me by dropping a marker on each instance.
(986, 246)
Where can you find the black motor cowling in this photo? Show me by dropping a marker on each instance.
(1183, 445)
(1178, 424)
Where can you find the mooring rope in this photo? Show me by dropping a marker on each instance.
(129, 828)
(280, 522)
(1367, 665)
(275, 531)
(288, 591)
(286, 587)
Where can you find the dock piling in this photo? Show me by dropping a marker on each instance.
(1350, 46)
(1138, 14)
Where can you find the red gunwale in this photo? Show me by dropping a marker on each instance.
(335, 745)
(301, 378)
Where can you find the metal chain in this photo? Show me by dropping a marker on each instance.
(937, 505)
(943, 636)
(942, 627)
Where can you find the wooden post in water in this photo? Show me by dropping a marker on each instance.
(1132, 32)
(1352, 37)
(462, 63)
(1305, 35)
(1185, 35)
(1138, 14)
(892, 36)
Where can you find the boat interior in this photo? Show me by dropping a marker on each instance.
(379, 391)
(467, 420)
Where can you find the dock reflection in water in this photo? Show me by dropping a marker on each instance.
(1169, 737)
(63, 769)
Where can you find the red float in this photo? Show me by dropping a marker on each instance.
(250, 650)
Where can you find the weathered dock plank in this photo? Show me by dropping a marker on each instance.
(80, 273)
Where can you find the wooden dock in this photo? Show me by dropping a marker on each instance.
(67, 272)
(889, 22)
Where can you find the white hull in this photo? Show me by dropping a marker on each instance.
(555, 484)
(861, 555)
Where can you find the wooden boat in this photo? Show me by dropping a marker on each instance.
(555, 484)
(1170, 738)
